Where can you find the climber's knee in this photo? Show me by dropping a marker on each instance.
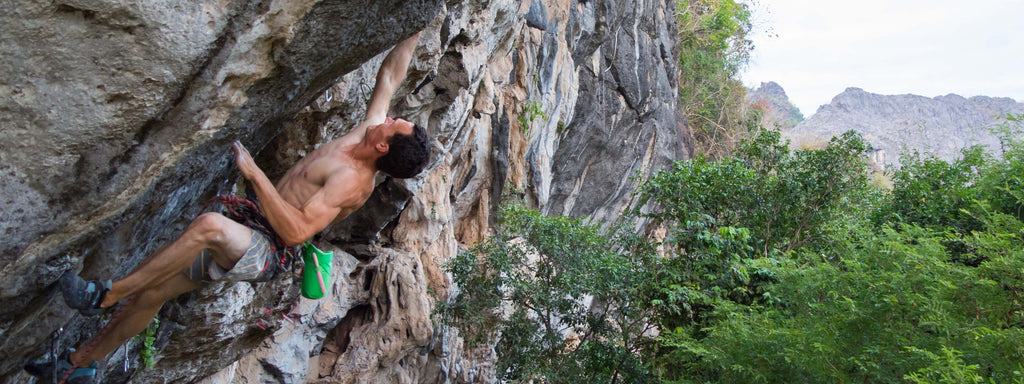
(226, 238)
(208, 228)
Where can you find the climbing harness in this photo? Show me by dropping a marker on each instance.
(317, 263)
(246, 212)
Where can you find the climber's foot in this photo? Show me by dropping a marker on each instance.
(44, 370)
(85, 296)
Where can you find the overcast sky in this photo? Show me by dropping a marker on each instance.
(816, 49)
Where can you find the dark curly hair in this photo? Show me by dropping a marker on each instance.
(407, 154)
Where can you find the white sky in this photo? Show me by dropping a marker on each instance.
(816, 49)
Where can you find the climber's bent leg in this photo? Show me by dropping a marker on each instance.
(254, 265)
(131, 319)
(226, 239)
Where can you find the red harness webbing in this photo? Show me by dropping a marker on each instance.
(247, 213)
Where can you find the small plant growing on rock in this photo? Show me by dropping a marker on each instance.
(531, 110)
(147, 351)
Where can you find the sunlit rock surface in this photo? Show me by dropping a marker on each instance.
(118, 119)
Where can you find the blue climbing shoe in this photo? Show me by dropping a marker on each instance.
(85, 296)
(44, 370)
(83, 375)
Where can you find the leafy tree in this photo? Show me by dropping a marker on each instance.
(778, 266)
(559, 298)
(891, 301)
(730, 220)
(889, 308)
(950, 197)
(1004, 180)
(713, 48)
(932, 193)
(784, 198)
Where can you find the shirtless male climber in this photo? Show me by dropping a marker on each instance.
(321, 189)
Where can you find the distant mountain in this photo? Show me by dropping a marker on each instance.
(893, 123)
(778, 111)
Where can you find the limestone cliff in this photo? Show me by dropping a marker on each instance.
(117, 119)
(892, 124)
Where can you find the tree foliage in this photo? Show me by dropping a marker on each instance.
(559, 296)
(714, 47)
(890, 308)
(777, 266)
(785, 198)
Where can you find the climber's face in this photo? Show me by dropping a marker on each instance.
(381, 133)
(389, 128)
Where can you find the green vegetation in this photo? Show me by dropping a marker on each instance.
(777, 266)
(533, 291)
(714, 47)
(531, 111)
(147, 352)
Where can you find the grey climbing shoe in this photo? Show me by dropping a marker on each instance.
(85, 296)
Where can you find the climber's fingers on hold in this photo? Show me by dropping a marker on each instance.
(242, 158)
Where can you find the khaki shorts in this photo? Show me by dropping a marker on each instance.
(255, 263)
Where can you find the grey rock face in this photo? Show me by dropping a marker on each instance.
(583, 133)
(941, 126)
(624, 120)
(563, 103)
(117, 122)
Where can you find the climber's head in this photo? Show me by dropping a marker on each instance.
(404, 145)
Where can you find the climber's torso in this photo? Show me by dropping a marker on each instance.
(330, 170)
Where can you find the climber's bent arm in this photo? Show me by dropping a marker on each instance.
(295, 224)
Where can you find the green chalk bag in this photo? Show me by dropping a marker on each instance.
(317, 274)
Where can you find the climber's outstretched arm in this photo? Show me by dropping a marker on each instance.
(389, 77)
